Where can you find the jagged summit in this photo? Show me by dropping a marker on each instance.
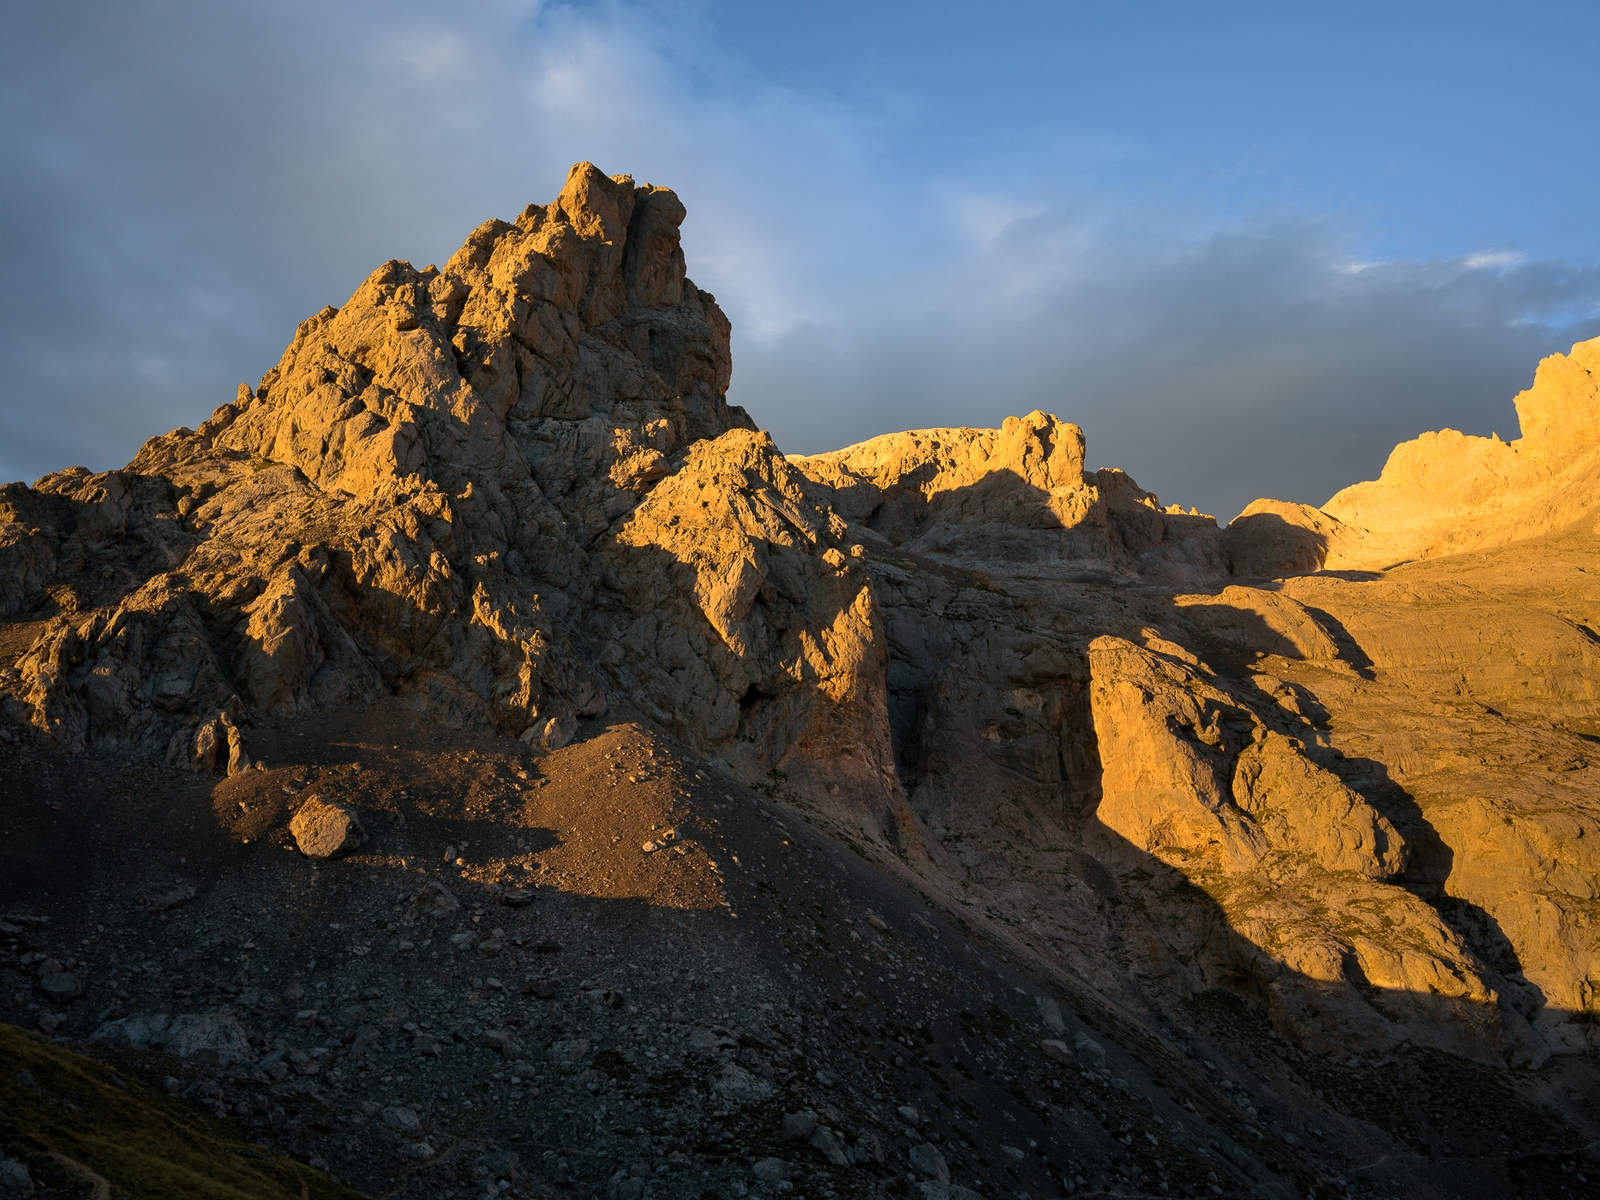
(493, 487)
(444, 489)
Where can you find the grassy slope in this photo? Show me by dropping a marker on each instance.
(81, 1120)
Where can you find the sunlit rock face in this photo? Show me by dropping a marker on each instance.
(1184, 750)
(511, 489)
(1170, 758)
(1446, 492)
(1017, 495)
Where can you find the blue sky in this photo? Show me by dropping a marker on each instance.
(1247, 247)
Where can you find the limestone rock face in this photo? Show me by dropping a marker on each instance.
(734, 542)
(1445, 491)
(1254, 619)
(1272, 538)
(1019, 494)
(1194, 779)
(1310, 789)
(434, 492)
(1171, 760)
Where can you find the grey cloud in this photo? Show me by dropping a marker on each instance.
(181, 184)
(1257, 360)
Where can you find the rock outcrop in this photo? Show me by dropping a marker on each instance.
(511, 489)
(1016, 494)
(1446, 492)
(1302, 868)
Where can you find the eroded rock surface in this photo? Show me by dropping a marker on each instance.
(1445, 491)
(322, 830)
(508, 489)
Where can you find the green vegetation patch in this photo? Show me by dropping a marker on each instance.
(78, 1118)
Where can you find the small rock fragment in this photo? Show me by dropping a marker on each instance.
(211, 1039)
(403, 1119)
(928, 1162)
(14, 1177)
(162, 897)
(557, 732)
(1059, 1051)
(434, 900)
(238, 760)
(771, 1170)
(740, 1085)
(504, 1043)
(1050, 1016)
(831, 1147)
(710, 1041)
(61, 988)
(574, 1050)
(797, 1127)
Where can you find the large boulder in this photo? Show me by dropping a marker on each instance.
(323, 828)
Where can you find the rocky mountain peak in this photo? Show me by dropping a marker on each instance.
(448, 488)
(1317, 780)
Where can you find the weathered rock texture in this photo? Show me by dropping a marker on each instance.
(1017, 494)
(1144, 764)
(1168, 758)
(322, 829)
(511, 489)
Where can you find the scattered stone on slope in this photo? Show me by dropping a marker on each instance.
(323, 829)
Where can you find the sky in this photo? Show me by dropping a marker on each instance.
(1248, 247)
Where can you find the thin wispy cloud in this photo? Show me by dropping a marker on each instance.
(1492, 259)
(180, 186)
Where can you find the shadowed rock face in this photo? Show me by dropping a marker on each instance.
(1170, 759)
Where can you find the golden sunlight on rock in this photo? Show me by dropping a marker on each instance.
(478, 753)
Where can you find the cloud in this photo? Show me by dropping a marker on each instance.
(1491, 259)
(179, 185)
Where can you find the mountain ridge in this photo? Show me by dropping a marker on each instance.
(1329, 765)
